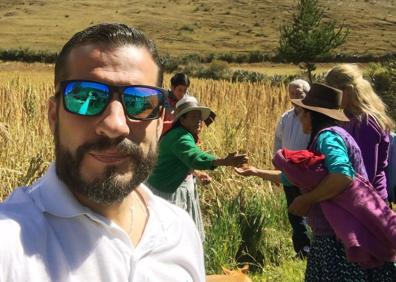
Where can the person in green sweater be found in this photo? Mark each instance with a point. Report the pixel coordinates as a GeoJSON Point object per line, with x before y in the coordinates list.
{"type": "Point", "coordinates": [179, 155]}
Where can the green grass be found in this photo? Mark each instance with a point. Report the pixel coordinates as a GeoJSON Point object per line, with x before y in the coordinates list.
{"type": "Point", "coordinates": [252, 228]}
{"type": "Point", "coordinates": [271, 69]}
{"type": "Point", "coordinates": [288, 271]}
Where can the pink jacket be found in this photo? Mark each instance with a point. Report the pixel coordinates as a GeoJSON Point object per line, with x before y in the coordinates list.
{"type": "Point", "coordinates": [359, 217]}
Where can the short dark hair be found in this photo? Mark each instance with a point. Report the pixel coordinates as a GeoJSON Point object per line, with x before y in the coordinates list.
{"type": "Point", "coordinates": [180, 79]}
{"type": "Point", "coordinates": [114, 34]}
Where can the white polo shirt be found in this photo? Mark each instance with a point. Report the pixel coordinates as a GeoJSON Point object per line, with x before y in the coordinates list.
{"type": "Point", "coordinates": [47, 235]}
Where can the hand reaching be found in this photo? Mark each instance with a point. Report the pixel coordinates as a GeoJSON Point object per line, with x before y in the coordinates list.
{"type": "Point", "coordinates": [246, 170]}
{"type": "Point", "coordinates": [272, 175]}
{"type": "Point", "coordinates": [236, 160]}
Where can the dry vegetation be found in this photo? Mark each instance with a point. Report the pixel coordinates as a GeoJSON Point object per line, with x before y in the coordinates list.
{"type": "Point", "coordinates": [196, 26]}
{"type": "Point", "coordinates": [247, 114]}
{"type": "Point", "coordinates": [246, 117]}
{"type": "Point", "coordinates": [24, 133]}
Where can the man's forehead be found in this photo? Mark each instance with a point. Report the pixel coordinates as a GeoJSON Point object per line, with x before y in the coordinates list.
{"type": "Point", "coordinates": [89, 60]}
{"type": "Point", "coordinates": [100, 53]}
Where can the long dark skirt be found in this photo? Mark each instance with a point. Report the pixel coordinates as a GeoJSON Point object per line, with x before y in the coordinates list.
{"type": "Point", "coordinates": [327, 262]}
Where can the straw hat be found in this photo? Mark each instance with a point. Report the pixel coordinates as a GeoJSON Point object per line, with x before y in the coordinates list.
{"type": "Point", "coordinates": [189, 103]}
{"type": "Point", "coordinates": [323, 99]}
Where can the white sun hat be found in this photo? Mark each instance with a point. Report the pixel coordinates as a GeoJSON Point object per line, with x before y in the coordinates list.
{"type": "Point", "coordinates": [189, 103]}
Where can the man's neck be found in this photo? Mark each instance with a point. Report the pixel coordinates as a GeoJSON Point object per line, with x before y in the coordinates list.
{"type": "Point", "coordinates": [109, 211]}
{"type": "Point", "coordinates": [131, 214]}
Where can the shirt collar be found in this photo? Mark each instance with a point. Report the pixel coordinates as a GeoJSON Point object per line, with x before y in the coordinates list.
{"type": "Point", "coordinates": [51, 195]}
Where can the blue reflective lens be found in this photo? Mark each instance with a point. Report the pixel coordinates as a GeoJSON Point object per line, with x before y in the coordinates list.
{"type": "Point", "coordinates": [86, 98]}
{"type": "Point", "coordinates": [141, 102]}
{"type": "Point", "coordinates": [89, 98]}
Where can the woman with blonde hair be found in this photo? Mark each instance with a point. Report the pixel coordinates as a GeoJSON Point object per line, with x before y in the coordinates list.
{"type": "Point", "coordinates": [331, 174]}
{"type": "Point", "coordinates": [369, 124]}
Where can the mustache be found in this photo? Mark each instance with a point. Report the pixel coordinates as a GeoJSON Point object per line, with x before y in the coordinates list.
{"type": "Point", "coordinates": [122, 145]}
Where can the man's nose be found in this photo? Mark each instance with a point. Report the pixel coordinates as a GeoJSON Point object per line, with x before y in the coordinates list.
{"type": "Point", "coordinates": [113, 122]}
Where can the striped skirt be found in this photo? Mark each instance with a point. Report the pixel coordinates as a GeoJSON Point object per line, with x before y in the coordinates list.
{"type": "Point", "coordinates": [186, 197]}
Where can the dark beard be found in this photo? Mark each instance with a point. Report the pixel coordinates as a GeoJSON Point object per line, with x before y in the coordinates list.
{"type": "Point", "coordinates": [106, 189]}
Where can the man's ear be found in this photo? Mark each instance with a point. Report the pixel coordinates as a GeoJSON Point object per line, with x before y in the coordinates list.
{"type": "Point", "coordinates": [52, 113]}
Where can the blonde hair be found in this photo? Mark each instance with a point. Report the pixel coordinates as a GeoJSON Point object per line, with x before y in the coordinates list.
{"type": "Point", "coordinates": [363, 99]}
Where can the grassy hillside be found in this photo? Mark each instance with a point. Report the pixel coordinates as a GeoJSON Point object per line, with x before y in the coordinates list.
{"type": "Point", "coordinates": [195, 26]}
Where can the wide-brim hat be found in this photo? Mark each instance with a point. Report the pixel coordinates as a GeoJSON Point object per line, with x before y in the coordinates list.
{"type": "Point", "coordinates": [188, 104]}
{"type": "Point", "coordinates": [323, 99]}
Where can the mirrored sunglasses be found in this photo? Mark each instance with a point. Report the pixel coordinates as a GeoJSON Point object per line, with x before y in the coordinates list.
{"type": "Point", "coordinates": [90, 98]}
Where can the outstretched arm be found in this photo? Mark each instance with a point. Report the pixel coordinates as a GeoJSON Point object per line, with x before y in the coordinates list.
{"type": "Point", "coordinates": [233, 159]}
{"type": "Point", "coordinates": [269, 175]}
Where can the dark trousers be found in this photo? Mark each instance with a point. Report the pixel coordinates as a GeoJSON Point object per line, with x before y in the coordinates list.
{"type": "Point", "coordinates": [300, 233]}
